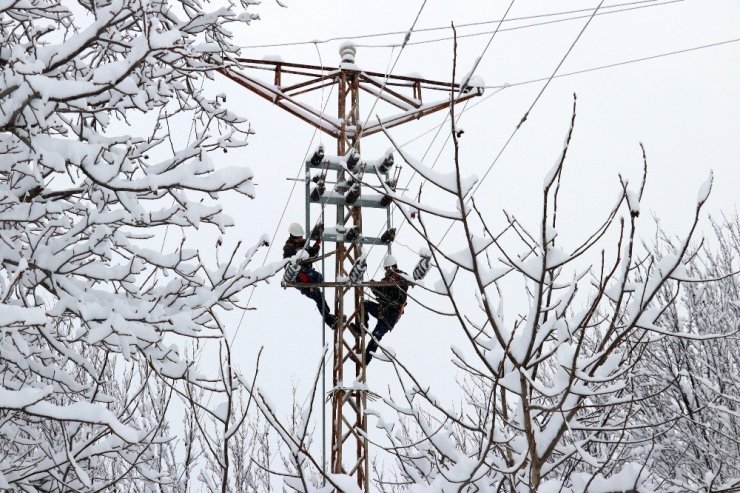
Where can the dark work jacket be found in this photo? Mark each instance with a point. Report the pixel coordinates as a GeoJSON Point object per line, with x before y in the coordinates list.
{"type": "Point", "coordinates": [392, 297]}
{"type": "Point", "coordinates": [296, 243]}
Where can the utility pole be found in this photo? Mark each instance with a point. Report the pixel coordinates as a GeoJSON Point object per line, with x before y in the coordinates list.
{"type": "Point", "coordinates": [349, 444]}
{"type": "Point", "coordinates": [348, 407]}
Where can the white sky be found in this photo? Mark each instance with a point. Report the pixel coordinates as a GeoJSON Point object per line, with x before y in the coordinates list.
{"type": "Point", "coordinates": [684, 108]}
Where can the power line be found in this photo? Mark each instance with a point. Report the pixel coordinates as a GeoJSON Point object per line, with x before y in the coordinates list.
{"type": "Point", "coordinates": [499, 88]}
{"type": "Point", "coordinates": [440, 28]}
{"type": "Point", "coordinates": [526, 114]}
{"type": "Point", "coordinates": [406, 38]}
{"type": "Point", "coordinates": [462, 89]}
{"type": "Point", "coordinates": [616, 64]}
{"type": "Point", "coordinates": [508, 85]}
{"type": "Point", "coordinates": [483, 53]}
{"type": "Point", "coordinates": [516, 28]}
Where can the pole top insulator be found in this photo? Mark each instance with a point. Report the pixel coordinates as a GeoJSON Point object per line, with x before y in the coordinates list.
{"type": "Point", "coordinates": [347, 51]}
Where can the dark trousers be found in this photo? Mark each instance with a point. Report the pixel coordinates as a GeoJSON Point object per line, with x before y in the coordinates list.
{"type": "Point", "coordinates": [387, 317]}
{"type": "Point", "coordinates": [318, 296]}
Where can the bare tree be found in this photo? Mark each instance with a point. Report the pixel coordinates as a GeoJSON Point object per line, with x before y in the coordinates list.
{"type": "Point", "coordinates": [300, 467]}
{"type": "Point", "coordinates": [236, 441]}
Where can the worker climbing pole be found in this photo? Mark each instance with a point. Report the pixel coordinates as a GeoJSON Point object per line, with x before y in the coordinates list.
{"type": "Point", "coordinates": [349, 444]}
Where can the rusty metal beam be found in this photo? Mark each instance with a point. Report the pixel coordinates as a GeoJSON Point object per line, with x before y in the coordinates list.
{"type": "Point", "coordinates": [332, 76]}
{"type": "Point", "coordinates": [284, 64]}
{"type": "Point", "coordinates": [295, 108]}
{"type": "Point", "coordinates": [381, 94]}
{"type": "Point", "coordinates": [413, 102]}
{"type": "Point", "coordinates": [311, 89]}
{"type": "Point", "coordinates": [415, 115]}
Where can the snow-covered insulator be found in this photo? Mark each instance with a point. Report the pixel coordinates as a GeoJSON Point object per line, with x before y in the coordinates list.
{"type": "Point", "coordinates": [353, 159]}
{"type": "Point", "coordinates": [358, 271]}
{"type": "Point", "coordinates": [386, 200]}
{"type": "Point", "coordinates": [317, 231]}
{"type": "Point", "coordinates": [343, 185]}
{"type": "Point", "coordinates": [388, 236]}
{"type": "Point", "coordinates": [352, 234]}
{"type": "Point", "coordinates": [291, 272]}
{"type": "Point", "coordinates": [353, 194]}
{"type": "Point", "coordinates": [318, 190]}
{"type": "Point", "coordinates": [387, 164]}
{"type": "Point", "coordinates": [318, 156]}
{"type": "Point", "coordinates": [347, 51]}
{"type": "Point", "coordinates": [424, 265]}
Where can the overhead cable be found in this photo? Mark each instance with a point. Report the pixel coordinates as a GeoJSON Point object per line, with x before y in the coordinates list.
{"type": "Point", "coordinates": [526, 114]}
{"type": "Point", "coordinates": [463, 85]}
{"type": "Point", "coordinates": [468, 24]}
{"type": "Point", "coordinates": [438, 127]}
{"type": "Point", "coordinates": [612, 65]}
{"type": "Point", "coordinates": [516, 28]}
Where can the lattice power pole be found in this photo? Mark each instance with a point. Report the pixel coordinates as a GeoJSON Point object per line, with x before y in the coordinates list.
{"type": "Point", "coordinates": [349, 445]}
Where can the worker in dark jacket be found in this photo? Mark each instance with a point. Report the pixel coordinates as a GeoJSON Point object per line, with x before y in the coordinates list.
{"type": "Point", "coordinates": [308, 274]}
{"type": "Point", "coordinates": [390, 305]}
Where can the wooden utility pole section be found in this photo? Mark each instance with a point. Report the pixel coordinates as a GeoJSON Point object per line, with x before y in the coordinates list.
{"type": "Point", "coordinates": [349, 444]}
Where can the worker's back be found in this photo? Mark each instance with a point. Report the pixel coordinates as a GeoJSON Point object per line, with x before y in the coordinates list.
{"type": "Point", "coordinates": [393, 296]}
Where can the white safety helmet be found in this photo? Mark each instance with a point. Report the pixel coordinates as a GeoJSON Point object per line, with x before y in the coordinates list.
{"type": "Point", "coordinates": [296, 229]}
{"type": "Point", "coordinates": [389, 261]}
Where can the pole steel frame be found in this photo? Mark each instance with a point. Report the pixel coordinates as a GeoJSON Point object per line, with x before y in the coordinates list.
{"type": "Point", "coordinates": [349, 420]}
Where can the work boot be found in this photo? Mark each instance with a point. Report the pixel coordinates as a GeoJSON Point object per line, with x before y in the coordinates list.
{"type": "Point", "coordinates": [331, 320]}
{"type": "Point", "coordinates": [354, 329]}
{"type": "Point", "coordinates": [334, 319]}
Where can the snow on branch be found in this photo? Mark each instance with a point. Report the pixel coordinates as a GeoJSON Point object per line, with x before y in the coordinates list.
{"type": "Point", "coordinates": [107, 145]}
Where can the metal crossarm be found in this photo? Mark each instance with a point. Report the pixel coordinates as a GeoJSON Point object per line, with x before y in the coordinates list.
{"type": "Point", "coordinates": [383, 86]}
{"type": "Point", "coordinates": [335, 198]}
{"type": "Point", "coordinates": [365, 240]}
{"type": "Point", "coordinates": [335, 284]}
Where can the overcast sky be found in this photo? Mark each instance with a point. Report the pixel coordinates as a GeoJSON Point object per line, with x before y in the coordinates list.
{"type": "Point", "coordinates": [684, 108]}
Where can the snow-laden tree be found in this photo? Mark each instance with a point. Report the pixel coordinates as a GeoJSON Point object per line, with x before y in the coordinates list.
{"type": "Point", "coordinates": [94, 311]}
{"type": "Point", "coordinates": [696, 378]}
{"type": "Point", "coordinates": [558, 395]}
